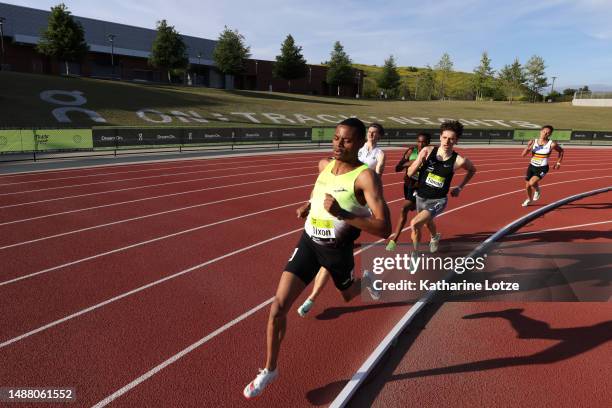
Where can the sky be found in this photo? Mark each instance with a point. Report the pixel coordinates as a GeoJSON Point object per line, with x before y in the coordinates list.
{"type": "Point", "coordinates": [574, 37]}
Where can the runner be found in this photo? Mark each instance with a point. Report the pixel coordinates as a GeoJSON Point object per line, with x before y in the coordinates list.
{"type": "Point", "coordinates": [370, 154]}
{"type": "Point", "coordinates": [347, 197]}
{"type": "Point", "coordinates": [540, 149]}
{"type": "Point", "coordinates": [438, 165]}
{"type": "Point", "coordinates": [410, 186]}
{"type": "Point", "coordinates": [374, 158]}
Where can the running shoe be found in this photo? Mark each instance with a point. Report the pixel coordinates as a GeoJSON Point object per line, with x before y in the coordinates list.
{"type": "Point", "coordinates": [526, 202]}
{"type": "Point", "coordinates": [256, 387]}
{"type": "Point", "coordinates": [434, 243]}
{"type": "Point", "coordinates": [305, 308]}
{"type": "Point", "coordinates": [367, 278]}
{"type": "Point", "coordinates": [391, 246]}
{"type": "Point", "coordinates": [536, 195]}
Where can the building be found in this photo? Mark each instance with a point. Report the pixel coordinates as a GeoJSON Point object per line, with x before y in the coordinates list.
{"type": "Point", "coordinates": [121, 51]}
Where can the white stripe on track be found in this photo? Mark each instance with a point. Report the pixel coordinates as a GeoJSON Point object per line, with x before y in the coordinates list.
{"type": "Point", "coordinates": [100, 175]}
{"type": "Point", "coordinates": [135, 245]}
{"type": "Point", "coordinates": [141, 288]}
{"type": "Point", "coordinates": [227, 255]}
{"type": "Point", "coordinates": [149, 198]}
{"type": "Point", "coordinates": [206, 189]}
{"type": "Point", "coordinates": [155, 176]}
{"type": "Point", "coordinates": [520, 234]}
{"type": "Point", "coordinates": [200, 342]}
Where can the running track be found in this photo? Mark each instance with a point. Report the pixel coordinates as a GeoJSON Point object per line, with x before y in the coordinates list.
{"type": "Point", "coordinates": [149, 285]}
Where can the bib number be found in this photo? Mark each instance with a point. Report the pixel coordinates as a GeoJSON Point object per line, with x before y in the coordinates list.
{"type": "Point", "coordinates": [537, 161]}
{"type": "Point", "coordinates": [434, 180]}
{"type": "Point", "coordinates": [322, 228]}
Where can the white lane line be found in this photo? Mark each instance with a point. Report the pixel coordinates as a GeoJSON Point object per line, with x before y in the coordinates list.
{"type": "Point", "coordinates": [155, 176]}
{"type": "Point", "coordinates": [560, 229]}
{"type": "Point", "coordinates": [141, 288]}
{"type": "Point", "coordinates": [222, 169]}
{"type": "Point", "coordinates": [150, 198]}
{"type": "Point", "coordinates": [415, 309]}
{"type": "Point", "coordinates": [135, 245]}
{"type": "Point", "coordinates": [178, 356]}
{"type": "Point", "coordinates": [213, 188]}
{"type": "Point", "coordinates": [229, 254]}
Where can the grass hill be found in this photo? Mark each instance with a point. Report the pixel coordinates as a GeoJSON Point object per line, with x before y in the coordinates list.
{"type": "Point", "coordinates": [131, 104]}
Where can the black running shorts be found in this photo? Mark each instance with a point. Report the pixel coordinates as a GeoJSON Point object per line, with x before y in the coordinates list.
{"type": "Point", "coordinates": [536, 171]}
{"type": "Point", "coordinates": [308, 257]}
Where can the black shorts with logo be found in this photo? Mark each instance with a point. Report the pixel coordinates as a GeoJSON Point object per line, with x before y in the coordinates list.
{"type": "Point", "coordinates": [308, 257]}
{"type": "Point", "coordinates": [536, 171]}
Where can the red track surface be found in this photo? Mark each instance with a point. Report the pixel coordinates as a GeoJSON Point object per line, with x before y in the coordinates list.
{"type": "Point", "coordinates": [110, 345]}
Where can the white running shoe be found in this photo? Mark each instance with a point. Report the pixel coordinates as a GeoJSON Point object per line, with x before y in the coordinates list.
{"type": "Point", "coordinates": [434, 243]}
{"type": "Point", "coordinates": [256, 387]}
{"type": "Point", "coordinates": [367, 278]}
{"type": "Point", "coordinates": [536, 195]}
{"type": "Point", "coordinates": [305, 308]}
{"type": "Point", "coordinates": [526, 202]}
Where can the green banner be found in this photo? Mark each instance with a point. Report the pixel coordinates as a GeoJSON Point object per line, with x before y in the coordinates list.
{"type": "Point", "coordinates": [63, 139]}
{"type": "Point", "coordinates": [523, 134]}
{"type": "Point", "coordinates": [16, 140]}
{"type": "Point", "coordinates": [323, 134]}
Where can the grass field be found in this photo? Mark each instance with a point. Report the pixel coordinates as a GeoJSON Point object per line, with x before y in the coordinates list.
{"type": "Point", "coordinates": [119, 102]}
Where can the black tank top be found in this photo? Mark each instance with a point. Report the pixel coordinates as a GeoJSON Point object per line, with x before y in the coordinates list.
{"type": "Point", "coordinates": [435, 176]}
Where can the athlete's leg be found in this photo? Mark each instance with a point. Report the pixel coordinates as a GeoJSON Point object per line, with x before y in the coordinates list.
{"type": "Point", "coordinates": [529, 189]}
{"type": "Point", "coordinates": [289, 288]}
{"type": "Point", "coordinates": [406, 208]}
{"type": "Point", "coordinates": [417, 223]}
{"type": "Point", "coordinates": [319, 283]}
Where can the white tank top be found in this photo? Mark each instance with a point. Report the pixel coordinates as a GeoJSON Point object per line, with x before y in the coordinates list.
{"type": "Point", "coordinates": [540, 154]}
{"type": "Point", "coordinates": [369, 157]}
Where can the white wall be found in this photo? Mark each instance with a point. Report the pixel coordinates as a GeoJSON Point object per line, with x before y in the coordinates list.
{"type": "Point", "coordinates": [592, 102]}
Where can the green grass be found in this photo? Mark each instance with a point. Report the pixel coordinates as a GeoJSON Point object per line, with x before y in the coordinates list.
{"type": "Point", "coordinates": [118, 103]}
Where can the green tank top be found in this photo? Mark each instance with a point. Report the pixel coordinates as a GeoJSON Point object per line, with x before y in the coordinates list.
{"type": "Point", "coordinates": [321, 225]}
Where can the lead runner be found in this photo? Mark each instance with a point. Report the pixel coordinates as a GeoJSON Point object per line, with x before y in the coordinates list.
{"type": "Point", "coordinates": [347, 197]}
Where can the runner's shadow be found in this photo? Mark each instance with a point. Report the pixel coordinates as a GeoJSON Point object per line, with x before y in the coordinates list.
{"type": "Point", "coordinates": [572, 342]}
{"type": "Point", "coordinates": [335, 312]}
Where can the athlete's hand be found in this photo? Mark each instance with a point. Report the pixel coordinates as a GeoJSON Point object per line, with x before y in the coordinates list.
{"type": "Point", "coordinates": [556, 166]}
{"type": "Point", "coordinates": [455, 191]}
{"type": "Point", "coordinates": [331, 205]}
{"type": "Point", "coordinates": [302, 212]}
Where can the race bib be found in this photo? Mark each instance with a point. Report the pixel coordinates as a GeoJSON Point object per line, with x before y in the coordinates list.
{"type": "Point", "coordinates": [322, 228]}
{"type": "Point", "coordinates": [434, 180]}
{"type": "Point", "coordinates": [537, 161]}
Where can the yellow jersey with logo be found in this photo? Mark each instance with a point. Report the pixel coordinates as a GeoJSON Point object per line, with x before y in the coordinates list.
{"type": "Point", "coordinates": [320, 225]}
{"type": "Point", "coordinates": [540, 153]}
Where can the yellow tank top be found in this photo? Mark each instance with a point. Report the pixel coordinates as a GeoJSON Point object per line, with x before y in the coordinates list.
{"type": "Point", "coordinates": [321, 225]}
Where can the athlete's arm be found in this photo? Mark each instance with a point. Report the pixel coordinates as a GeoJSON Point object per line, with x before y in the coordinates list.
{"type": "Point", "coordinates": [403, 163]}
{"type": "Point", "coordinates": [463, 163]}
{"type": "Point", "coordinates": [560, 151]}
{"type": "Point", "coordinates": [416, 164]}
{"type": "Point", "coordinates": [379, 223]}
{"type": "Point", "coordinates": [380, 163]}
{"type": "Point", "coordinates": [527, 148]}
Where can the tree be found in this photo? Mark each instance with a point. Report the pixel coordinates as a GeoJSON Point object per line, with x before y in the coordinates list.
{"type": "Point", "coordinates": [535, 76]}
{"type": "Point", "coordinates": [512, 79]}
{"type": "Point", "coordinates": [444, 67]}
{"type": "Point", "coordinates": [425, 83]}
{"type": "Point", "coordinates": [339, 68]}
{"type": "Point", "coordinates": [63, 38]}
{"type": "Point", "coordinates": [168, 50]}
{"type": "Point", "coordinates": [569, 91]}
{"type": "Point", "coordinates": [290, 64]}
{"type": "Point", "coordinates": [389, 79]}
{"type": "Point", "coordinates": [482, 81]}
{"type": "Point", "coordinates": [231, 52]}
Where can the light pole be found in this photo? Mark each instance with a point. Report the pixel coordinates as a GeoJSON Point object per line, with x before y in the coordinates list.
{"type": "Point", "coordinates": [199, 56]}
{"type": "Point", "coordinates": [552, 86]}
{"type": "Point", "coordinates": [111, 38]}
{"type": "Point", "coordinates": [2, 19]}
